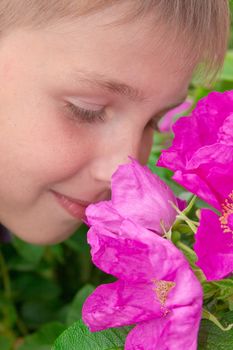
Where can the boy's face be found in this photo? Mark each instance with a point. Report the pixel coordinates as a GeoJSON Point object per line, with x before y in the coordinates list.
{"type": "Point", "coordinates": [51, 152]}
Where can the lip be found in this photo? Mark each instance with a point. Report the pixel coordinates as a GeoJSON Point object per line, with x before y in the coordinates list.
{"type": "Point", "coordinates": [73, 206]}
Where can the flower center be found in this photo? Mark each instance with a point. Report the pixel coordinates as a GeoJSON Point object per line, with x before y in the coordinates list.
{"type": "Point", "coordinates": [226, 220]}
{"type": "Point", "coordinates": [162, 288]}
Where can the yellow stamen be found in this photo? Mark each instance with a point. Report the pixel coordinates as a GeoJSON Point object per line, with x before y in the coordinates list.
{"type": "Point", "coordinates": [227, 210]}
{"type": "Point", "coordinates": [162, 288]}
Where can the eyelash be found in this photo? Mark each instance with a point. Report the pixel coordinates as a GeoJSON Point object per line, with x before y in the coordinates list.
{"type": "Point", "coordinates": [91, 116]}
{"type": "Point", "coordinates": [86, 115]}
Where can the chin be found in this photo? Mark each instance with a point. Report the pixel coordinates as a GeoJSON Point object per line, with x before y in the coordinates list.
{"type": "Point", "coordinates": [45, 236]}
{"type": "Point", "coordinates": [50, 239]}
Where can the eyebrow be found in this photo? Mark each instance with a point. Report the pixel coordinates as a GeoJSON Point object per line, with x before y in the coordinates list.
{"type": "Point", "coordinates": [119, 88]}
{"type": "Point", "coordinates": [112, 86]}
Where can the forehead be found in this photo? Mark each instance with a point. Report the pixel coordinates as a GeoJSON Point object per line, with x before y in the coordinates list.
{"type": "Point", "coordinates": [139, 49]}
{"type": "Point", "coordinates": [150, 32]}
{"type": "Point", "coordinates": [99, 50]}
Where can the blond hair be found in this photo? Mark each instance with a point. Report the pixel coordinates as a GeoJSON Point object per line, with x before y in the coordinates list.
{"type": "Point", "coordinates": [202, 24]}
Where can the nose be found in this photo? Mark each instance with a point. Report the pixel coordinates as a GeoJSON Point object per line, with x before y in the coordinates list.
{"type": "Point", "coordinates": [114, 152]}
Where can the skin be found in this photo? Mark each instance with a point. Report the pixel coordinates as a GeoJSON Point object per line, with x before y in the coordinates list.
{"type": "Point", "coordinates": [44, 146]}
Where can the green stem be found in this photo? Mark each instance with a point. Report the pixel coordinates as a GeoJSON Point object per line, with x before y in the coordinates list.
{"type": "Point", "coordinates": [21, 326]}
{"type": "Point", "coordinates": [185, 248]}
{"type": "Point", "coordinates": [5, 277]}
{"type": "Point", "coordinates": [8, 292]}
{"type": "Point", "coordinates": [190, 205]}
{"type": "Point", "coordinates": [208, 316]}
{"type": "Point", "coordinates": [192, 257]}
{"type": "Point", "coordinates": [192, 224]}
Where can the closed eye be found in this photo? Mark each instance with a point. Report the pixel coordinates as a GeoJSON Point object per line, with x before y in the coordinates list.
{"type": "Point", "coordinates": [85, 115]}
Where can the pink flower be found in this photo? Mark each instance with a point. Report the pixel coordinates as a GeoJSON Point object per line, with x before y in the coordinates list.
{"type": "Point", "coordinates": [202, 152]}
{"type": "Point", "coordinates": [166, 122]}
{"type": "Point", "coordinates": [214, 248]}
{"type": "Point", "coordinates": [202, 158]}
{"type": "Point", "coordinates": [155, 289]}
{"type": "Point", "coordinates": [136, 194]}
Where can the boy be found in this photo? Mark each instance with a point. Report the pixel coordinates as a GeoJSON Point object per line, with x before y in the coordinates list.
{"type": "Point", "coordinates": [82, 85]}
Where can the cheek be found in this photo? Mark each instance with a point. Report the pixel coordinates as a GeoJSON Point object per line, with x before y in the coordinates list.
{"type": "Point", "coordinates": [62, 151]}
{"type": "Point", "coordinates": [55, 156]}
{"type": "Point", "coordinates": [38, 144]}
{"type": "Point", "coordinates": [44, 151]}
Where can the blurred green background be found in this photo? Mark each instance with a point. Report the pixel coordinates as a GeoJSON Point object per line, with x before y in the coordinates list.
{"type": "Point", "coordinates": [42, 288]}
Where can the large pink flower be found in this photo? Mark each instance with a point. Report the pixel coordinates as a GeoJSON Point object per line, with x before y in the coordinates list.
{"type": "Point", "coordinates": [202, 152]}
{"type": "Point", "coordinates": [156, 289]}
{"type": "Point", "coordinates": [202, 158]}
{"type": "Point", "coordinates": [136, 194]}
{"type": "Point", "coordinates": [214, 248]}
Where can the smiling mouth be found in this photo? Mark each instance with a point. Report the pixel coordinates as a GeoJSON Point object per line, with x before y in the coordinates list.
{"type": "Point", "coordinates": [73, 206]}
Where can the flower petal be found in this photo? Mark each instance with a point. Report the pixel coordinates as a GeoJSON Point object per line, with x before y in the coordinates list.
{"type": "Point", "coordinates": [120, 256]}
{"type": "Point", "coordinates": [197, 185]}
{"type": "Point", "coordinates": [205, 155]}
{"type": "Point", "coordinates": [134, 254]}
{"type": "Point", "coordinates": [155, 282]}
{"type": "Point", "coordinates": [225, 135]}
{"type": "Point", "coordinates": [103, 213]}
{"type": "Point", "coordinates": [188, 290]}
{"type": "Point", "coordinates": [178, 330]}
{"type": "Point", "coordinates": [120, 304]}
{"type": "Point", "coordinates": [146, 336]}
{"type": "Point", "coordinates": [143, 197]}
{"type": "Point", "coordinates": [213, 247]}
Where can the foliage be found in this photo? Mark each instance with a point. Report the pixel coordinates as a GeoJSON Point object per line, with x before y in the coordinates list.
{"type": "Point", "coordinates": [78, 337]}
{"type": "Point", "coordinates": [42, 290]}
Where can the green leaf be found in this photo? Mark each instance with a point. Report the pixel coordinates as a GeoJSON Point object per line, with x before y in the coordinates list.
{"type": "Point", "coordinates": [78, 241]}
{"type": "Point", "coordinates": [222, 289]}
{"type": "Point", "coordinates": [78, 337]}
{"type": "Point", "coordinates": [44, 338]}
{"type": "Point", "coordinates": [55, 253]}
{"type": "Point", "coordinates": [212, 338]}
{"type": "Point", "coordinates": [29, 252]}
{"type": "Point", "coordinates": [209, 289]}
{"type": "Point", "coordinates": [225, 288]}
{"type": "Point", "coordinates": [8, 315]}
{"type": "Point", "coordinates": [75, 309]}
{"type": "Point", "coordinates": [227, 72]}
{"type": "Point", "coordinates": [32, 286]}
{"type": "Point", "coordinates": [37, 313]}
{"type": "Point", "coordinates": [5, 343]}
